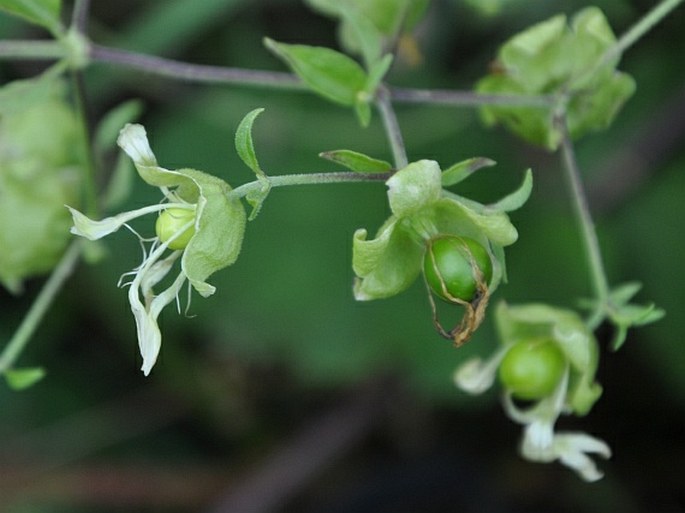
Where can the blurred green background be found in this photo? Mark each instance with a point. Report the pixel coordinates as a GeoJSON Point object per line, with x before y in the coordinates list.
{"type": "Point", "coordinates": [281, 366]}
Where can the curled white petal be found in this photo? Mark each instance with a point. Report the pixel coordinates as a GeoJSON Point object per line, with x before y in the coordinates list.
{"type": "Point", "coordinates": [573, 450]}
{"type": "Point", "coordinates": [94, 230]}
{"type": "Point", "coordinates": [538, 442]}
{"type": "Point", "coordinates": [475, 376]}
{"type": "Point", "coordinates": [133, 140]}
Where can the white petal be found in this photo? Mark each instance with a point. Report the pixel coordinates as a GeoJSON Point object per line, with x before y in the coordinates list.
{"type": "Point", "coordinates": [475, 376]}
{"type": "Point", "coordinates": [572, 449]}
{"type": "Point", "coordinates": [133, 140]}
{"type": "Point", "coordinates": [94, 230]}
{"type": "Point", "coordinates": [538, 442]}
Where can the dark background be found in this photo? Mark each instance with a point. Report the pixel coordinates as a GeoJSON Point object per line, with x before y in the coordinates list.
{"type": "Point", "coordinates": [284, 394]}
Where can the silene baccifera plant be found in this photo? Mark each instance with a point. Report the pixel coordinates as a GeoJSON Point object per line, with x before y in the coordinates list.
{"type": "Point", "coordinates": [551, 84]}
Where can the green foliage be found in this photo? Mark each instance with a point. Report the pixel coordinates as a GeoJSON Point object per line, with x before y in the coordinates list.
{"type": "Point", "coordinates": [21, 379]}
{"type": "Point", "coordinates": [41, 12]}
{"type": "Point", "coordinates": [357, 162]}
{"type": "Point", "coordinates": [41, 169]}
{"type": "Point", "coordinates": [567, 62]}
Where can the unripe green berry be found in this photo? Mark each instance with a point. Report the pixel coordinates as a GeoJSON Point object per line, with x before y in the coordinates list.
{"type": "Point", "coordinates": [170, 221]}
{"type": "Point", "coordinates": [454, 265]}
{"type": "Point", "coordinates": [531, 370]}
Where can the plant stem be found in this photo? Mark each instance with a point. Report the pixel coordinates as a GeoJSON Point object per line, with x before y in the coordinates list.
{"type": "Point", "coordinates": [593, 253]}
{"type": "Point", "coordinates": [79, 15]}
{"type": "Point", "coordinates": [194, 72]}
{"type": "Point", "coordinates": [40, 306]}
{"type": "Point", "coordinates": [309, 179]}
{"type": "Point", "coordinates": [89, 168]}
{"type": "Point", "coordinates": [31, 50]}
{"type": "Point", "coordinates": [392, 127]}
{"type": "Point", "coordinates": [644, 25]}
{"type": "Point", "coordinates": [466, 98]}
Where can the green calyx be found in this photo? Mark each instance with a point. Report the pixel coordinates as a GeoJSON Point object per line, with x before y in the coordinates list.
{"type": "Point", "coordinates": [456, 267]}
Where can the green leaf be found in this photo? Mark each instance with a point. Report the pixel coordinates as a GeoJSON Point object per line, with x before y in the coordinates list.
{"type": "Point", "coordinates": [110, 125]}
{"type": "Point", "coordinates": [377, 72]}
{"type": "Point", "coordinates": [462, 170]}
{"type": "Point", "coordinates": [623, 293]}
{"type": "Point", "coordinates": [21, 379]}
{"type": "Point", "coordinates": [516, 199]}
{"type": "Point", "coordinates": [41, 12]}
{"type": "Point", "coordinates": [256, 198]}
{"type": "Point", "coordinates": [331, 74]}
{"type": "Point", "coordinates": [357, 162]}
{"type": "Point", "coordinates": [244, 145]}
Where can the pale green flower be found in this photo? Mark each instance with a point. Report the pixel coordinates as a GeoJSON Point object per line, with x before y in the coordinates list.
{"type": "Point", "coordinates": [218, 224]}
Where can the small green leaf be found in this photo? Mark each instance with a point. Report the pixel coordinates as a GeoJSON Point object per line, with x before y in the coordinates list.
{"type": "Point", "coordinates": [357, 162]}
{"type": "Point", "coordinates": [516, 199]}
{"type": "Point", "coordinates": [462, 170]}
{"type": "Point", "coordinates": [376, 74]}
{"type": "Point", "coordinates": [110, 125]}
{"type": "Point", "coordinates": [623, 293]}
{"type": "Point", "coordinates": [256, 198]}
{"type": "Point", "coordinates": [41, 12]}
{"type": "Point", "coordinates": [20, 379]}
{"type": "Point", "coordinates": [362, 109]}
{"type": "Point", "coordinates": [327, 72]}
{"type": "Point", "coordinates": [244, 145]}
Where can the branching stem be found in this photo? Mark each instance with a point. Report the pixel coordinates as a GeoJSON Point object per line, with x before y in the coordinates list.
{"type": "Point", "coordinates": [581, 209]}
{"type": "Point", "coordinates": [40, 306]}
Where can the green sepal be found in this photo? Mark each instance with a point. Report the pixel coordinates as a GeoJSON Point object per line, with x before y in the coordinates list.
{"type": "Point", "coordinates": [387, 264]}
{"type": "Point", "coordinates": [462, 170]}
{"type": "Point", "coordinates": [45, 13]}
{"type": "Point", "coordinates": [331, 74]}
{"type": "Point", "coordinates": [550, 58]}
{"type": "Point", "coordinates": [518, 198]}
{"type": "Point", "coordinates": [567, 329]}
{"type": "Point", "coordinates": [414, 187]}
{"type": "Point", "coordinates": [357, 162]}
{"type": "Point", "coordinates": [23, 378]}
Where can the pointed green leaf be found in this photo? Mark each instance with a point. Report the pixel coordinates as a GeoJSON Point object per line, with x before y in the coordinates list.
{"type": "Point", "coordinates": [623, 293]}
{"type": "Point", "coordinates": [516, 199]}
{"type": "Point", "coordinates": [41, 12]}
{"type": "Point", "coordinates": [110, 125]}
{"type": "Point", "coordinates": [329, 73]}
{"type": "Point", "coordinates": [362, 109]}
{"type": "Point", "coordinates": [357, 162]}
{"type": "Point", "coordinates": [462, 170]}
{"type": "Point", "coordinates": [20, 379]}
{"type": "Point", "coordinates": [243, 142]}
{"type": "Point", "coordinates": [377, 72]}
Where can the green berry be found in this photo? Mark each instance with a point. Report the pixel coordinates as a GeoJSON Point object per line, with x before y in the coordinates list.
{"type": "Point", "coordinates": [170, 222]}
{"type": "Point", "coordinates": [531, 370]}
{"type": "Point", "coordinates": [453, 264]}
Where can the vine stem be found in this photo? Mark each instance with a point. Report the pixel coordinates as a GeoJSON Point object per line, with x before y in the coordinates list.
{"type": "Point", "coordinates": [309, 179]}
{"type": "Point", "coordinates": [583, 216]}
{"type": "Point", "coordinates": [52, 286]}
{"type": "Point", "coordinates": [644, 25]}
{"type": "Point", "coordinates": [392, 128]}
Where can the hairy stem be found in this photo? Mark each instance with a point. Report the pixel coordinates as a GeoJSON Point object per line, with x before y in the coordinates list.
{"type": "Point", "coordinates": [644, 25]}
{"type": "Point", "coordinates": [79, 15]}
{"type": "Point", "coordinates": [392, 128]}
{"type": "Point", "coordinates": [194, 72]}
{"type": "Point", "coordinates": [467, 98]}
{"type": "Point", "coordinates": [581, 209]}
{"type": "Point", "coordinates": [40, 306]}
{"type": "Point", "coordinates": [31, 50]}
{"type": "Point", "coordinates": [309, 179]}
